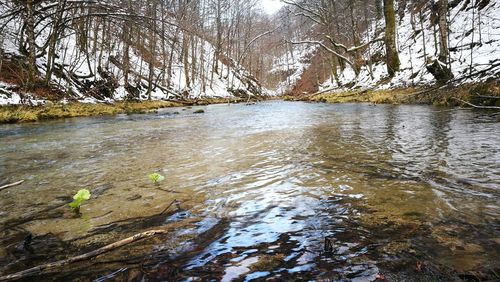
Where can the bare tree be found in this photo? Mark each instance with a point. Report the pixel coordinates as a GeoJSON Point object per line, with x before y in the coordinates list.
{"type": "Point", "coordinates": [392, 57]}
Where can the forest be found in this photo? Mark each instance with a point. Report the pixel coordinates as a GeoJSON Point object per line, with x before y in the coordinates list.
{"type": "Point", "coordinates": [177, 50]}
{"type": "Point", "coordinates": [249, 140]}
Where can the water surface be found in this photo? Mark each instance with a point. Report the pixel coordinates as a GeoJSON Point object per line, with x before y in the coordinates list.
{"type": "Point", "coordinates": [268, 184]}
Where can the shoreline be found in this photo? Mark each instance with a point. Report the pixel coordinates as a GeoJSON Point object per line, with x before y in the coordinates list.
{"type": "Point", "coordinates": [478, 95]}
{"type": "Point", "coordinates": [11, 114]}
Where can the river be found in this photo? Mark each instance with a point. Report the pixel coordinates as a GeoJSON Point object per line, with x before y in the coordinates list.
{"type": "Point", "coordinates": [282, 190]}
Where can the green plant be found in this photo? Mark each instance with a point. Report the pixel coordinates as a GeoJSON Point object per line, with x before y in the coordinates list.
{"type": "Point", "coordinates": [78, 198]}
{"type": "Point", "coordinates": [156, 178]}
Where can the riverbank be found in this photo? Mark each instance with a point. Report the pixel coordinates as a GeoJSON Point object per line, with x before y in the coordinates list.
{"type": "Point", "coordinates": [484, 95]}
{"type": "Point", "coordinates": [473, 95]}
{"type": "Point", "coordinates": [48, 111]}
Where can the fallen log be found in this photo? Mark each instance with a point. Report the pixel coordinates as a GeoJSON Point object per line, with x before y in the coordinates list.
{"type": "Point", "coordinates": [11, 185]}
{"type": "Point", "coordinates": [47, 268]}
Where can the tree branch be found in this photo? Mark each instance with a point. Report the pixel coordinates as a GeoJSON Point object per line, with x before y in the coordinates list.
{"type": "Point", "coordinates": [11, 185]}
{"type": "Point", "coordinates": [476, 106]}
{"type": "Point", "coordinates": [243, 55]}
{"type": "Point", "coordinates": [324, 47]}
{"type": "Point", "coordinates": [37, 270]}
{"type": "Point", "coordinates": [354, 48]}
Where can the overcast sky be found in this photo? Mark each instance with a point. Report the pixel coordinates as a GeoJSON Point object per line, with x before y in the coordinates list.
{"type": "Point", "coordinates": [271, 6]}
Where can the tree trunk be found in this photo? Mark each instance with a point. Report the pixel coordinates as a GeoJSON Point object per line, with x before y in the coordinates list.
{"type": "Point", "coordinates": [440, 68]}
{"type": "Point", "coordinates": [401, 9]}
{"type": "Point", "coordinates": [443, 31]}
{"type": "Point", "coordinates": [378, 6]}
{"type": "Point", "coordinates": [171, 57]}
{"type": "Point", "coordinates": [53, 41]}
{"type": "Point", "coordinates": [392, 57]}
{"type": "Point", "coordinates": [423, 33]}
{"type": "Point", "coordinates": [335, 73]}
{"type": "Point", "coordinates": [152, 48]}
{"type": "Point", "coordinates": [185, 59]}
{"type": "Point", "coordinates": [30, 32]}
{"type": "Point", "coordinates": [126, 54]}
{"type": "Point", "coordinates": [358, 59]}
{"type": "Point", "coordinates": [1, 51]}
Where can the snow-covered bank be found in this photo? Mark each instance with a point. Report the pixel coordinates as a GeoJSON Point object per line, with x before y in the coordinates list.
{"type": "Point", "coordinates": [474, 45]}
{"type": "Point", "coordinates": [89, 65]}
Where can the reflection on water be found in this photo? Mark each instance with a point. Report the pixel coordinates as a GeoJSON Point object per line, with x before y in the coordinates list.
{"type": "Point", "coordinates": [369, 179]}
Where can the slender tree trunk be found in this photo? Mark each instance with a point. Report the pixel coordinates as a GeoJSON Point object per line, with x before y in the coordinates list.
{"type": "Point", "coordinates": [101, 49]}
{"type": "Point", "coordinates": [378, 6]}
{"type": "Point", "coordinates": [126, 54]}
{"type": "Point", "coordinates": [443, 31]}
{"type": "Point", "coordinates": [479, 26]}
{"type": "Point", "coordinates": [358, 60]}
{"type": "Point", "coordinates": [202, 68]}
{"type": "Point", "coordinates": [335, 73]}
{"type": "Point", "coordinates": [163, 41]}
{"type": "Point", "coordinates": [472, 36]}
{"type": "Point", "coordinates": [54, 36]}
{"type": "Point", "coordinates": [1, 51]}
{"type": "Point", "coordinates": [152, 48]}
{"type": "Point", "coordinates": [30, 32]}
{"type": "Point", "coordinates": [440, 68]}
{"type": "Point", "coordinates": [194, 55]}
{"type": "Point", "coordinates": [423, 34]}
{"type": "Point", "coordinates": [185, 59]}
{"type": "Point", "coordinates": [369, 60]}
{"type": "Point", "coordinates": [392, 57]}
{"type": "Point", "coordinates": [401, 9]}
{"type": "Point", "coordinates": [171, 58]}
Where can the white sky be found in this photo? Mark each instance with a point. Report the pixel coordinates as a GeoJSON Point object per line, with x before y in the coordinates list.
{"type": "Point", "coordinates": [271, 6]}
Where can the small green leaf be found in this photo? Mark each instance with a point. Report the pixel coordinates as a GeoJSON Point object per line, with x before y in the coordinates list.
{"type": "Point", "coordinates": [78, 198]}
{"type": "Point", "coordinates": [156, 178]}
{"type": "Point", "coordinates": [83, 194]}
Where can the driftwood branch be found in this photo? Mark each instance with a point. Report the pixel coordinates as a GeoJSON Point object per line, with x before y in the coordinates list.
{"type": "Point", "coordinates": [11, 185]}
{"type": "Point", "coordinates": [476, 106]}
{"type": "Point", "coordinates": [41, 269]}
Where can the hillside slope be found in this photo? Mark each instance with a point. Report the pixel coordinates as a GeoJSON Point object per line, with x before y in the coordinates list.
{"type": "Point", "coordinates": [89, 63]}
{"type": "Point", "coordinates": [474, 44]}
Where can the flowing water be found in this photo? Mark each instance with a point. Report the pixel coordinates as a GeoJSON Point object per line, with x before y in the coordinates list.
{"type": "Point", "coordinates": [273, 190]}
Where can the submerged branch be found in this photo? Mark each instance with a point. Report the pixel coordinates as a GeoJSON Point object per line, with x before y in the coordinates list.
{"type": "Point", "coordinates": [41, 269]}
{"type": "Point", "coordinates": [11, 185]}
